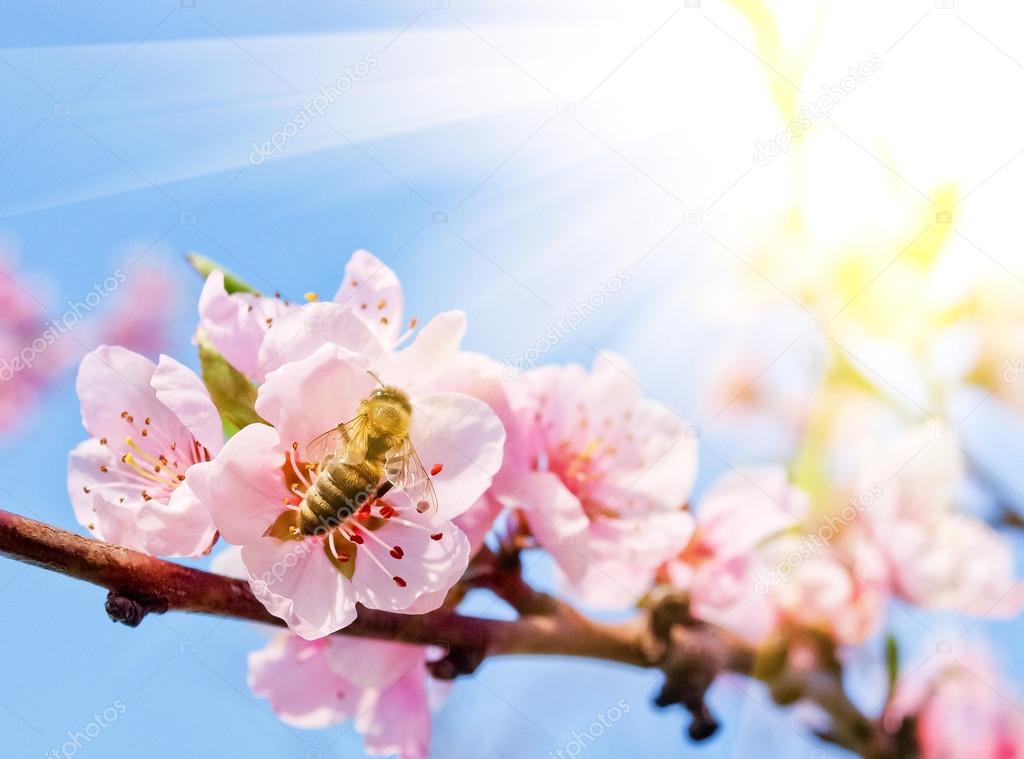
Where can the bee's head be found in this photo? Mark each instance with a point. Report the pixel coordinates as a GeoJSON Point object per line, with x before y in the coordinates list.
{"type": "Point", "coordinates": [389, 412]}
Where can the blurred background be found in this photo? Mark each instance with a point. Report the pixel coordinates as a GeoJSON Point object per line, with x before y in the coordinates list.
{"type": "Point", "coordinates": [799, 226]}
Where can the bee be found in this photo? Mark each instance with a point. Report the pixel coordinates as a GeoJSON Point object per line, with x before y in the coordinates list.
{"type": "Point", "coordinates": [357, 455]}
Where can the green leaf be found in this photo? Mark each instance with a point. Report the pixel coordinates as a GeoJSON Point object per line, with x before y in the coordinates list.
{"type": "Point", "coordinates": [232, 393]}
{"type": "Point", "coordinates": [892, 661]}
{"type": "Point", "coordinates": [205, 265]}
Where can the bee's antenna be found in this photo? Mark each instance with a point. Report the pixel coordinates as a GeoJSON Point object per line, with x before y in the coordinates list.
{"type": "Point", "coordinates": [374, 375]}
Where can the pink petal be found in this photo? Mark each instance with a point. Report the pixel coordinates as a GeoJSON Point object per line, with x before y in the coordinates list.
{"type": "Point", "coordinates": [464, 439]}
{"type": "Point", "coordinates": [303, 690]}
{"type": "Point", "coordinates": [296, 582]}
{"type": "Point", "coordinates": [430, 354]}
{"type": "Point", "coordinates": [427, 565]}
{"type": "Point", "coordinates": [243, 488]}
{"type": "Point", "coordinates": [374, 663]}
{"type": "Point", "coordinates": [396, 720]}
{"type": "Point", "coordinates": [554, 514]}
{"type": "Point", "coordinates": [179, 527]}
{"type": "Point", "coordinates": [112, 380]}
{"type": "Point", "coordinates": [373, 292]}
{"type": "Point", "coordinates": [181, 390]}
{"type": "Point", "coordinates": [236, 323]}
{"type": "Point", "coordinates": [306, 398]}
{"type": "Point", "coordinates": [84, 464]}
{"type": "Point", "coordinates": [300, 333]}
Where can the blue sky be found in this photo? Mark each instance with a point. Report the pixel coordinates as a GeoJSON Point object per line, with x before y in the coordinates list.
{"type": "Point", "coordinates": [114, 115]}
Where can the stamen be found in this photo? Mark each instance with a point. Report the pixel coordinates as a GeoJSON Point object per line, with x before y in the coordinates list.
{"type": "Point", "coordinates": [436, 470]}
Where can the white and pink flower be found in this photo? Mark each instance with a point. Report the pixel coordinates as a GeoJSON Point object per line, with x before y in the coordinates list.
{"type": "Point", "coordinates": [150, 424]}
{"type": "Point", "coordinates": [934, 556]}
{"type": "Point", "coordinates": [753, 566]}
{"type": "Point", "coordinates": [236, 323]}
{"type": "Point", "coordinates": [601, 475]}
{"type": "Point", "coordinates": [384, 686]}
{"type": "Point", "coordinates": [387, 555]}
{"type": "Point", "coordinates": [960, 708]}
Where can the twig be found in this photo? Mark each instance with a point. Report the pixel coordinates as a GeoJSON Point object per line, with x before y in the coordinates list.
{"type": "Point", "coordinates": [689, 652]}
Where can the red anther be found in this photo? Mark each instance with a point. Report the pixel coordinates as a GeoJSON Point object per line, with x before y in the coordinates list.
{"type": "Point", "coordinates": [436, 470]}
{"type": "Point", "coordinates": [399, 581]}
{"type": "Point", "coordinates": [437, 536]}
{"type": "Point", "coordinates": [397, 552]}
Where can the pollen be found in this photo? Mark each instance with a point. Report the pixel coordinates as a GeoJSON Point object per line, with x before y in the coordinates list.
{"type": "Point", "coordinates": [312, 297]}
{"type": "Point", "coordinates": [381, 304]}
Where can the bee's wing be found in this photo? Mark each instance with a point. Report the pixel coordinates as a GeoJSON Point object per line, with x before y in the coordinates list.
{"type": "Point", "coordinates": [405, 471]}
{"type": "Point", "coordinates": [348, 440]}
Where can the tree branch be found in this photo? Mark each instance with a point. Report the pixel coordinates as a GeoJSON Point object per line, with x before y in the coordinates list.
{"type": "Point", "coordinates": [689, 652]}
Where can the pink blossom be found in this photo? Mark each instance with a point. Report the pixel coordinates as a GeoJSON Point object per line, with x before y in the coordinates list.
{"type": "Point", "coordinates": [753, 566]}
{"type": "Point", "coordinates": [28, 359]}
{"type": "Point", "coordinates": [142, 310]}
{"type": "Point", "coordinates": [386, 555]}
{"type": "Point", "coordinates": [149, 425]}
{"type": "Point", "coordinates": [934, 556]}
{"type": "Point", "coordinates": [961, 709]}
{"type": "Point", "coordinates": [602, 476]}
{"type": "Point", "coordinates": [236, 323]}
{"type": "Point", "coordinates": [383, 685]}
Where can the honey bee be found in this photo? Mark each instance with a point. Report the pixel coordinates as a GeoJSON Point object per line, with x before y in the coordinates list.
{"type": "Point", "coordinates": [357, 455]}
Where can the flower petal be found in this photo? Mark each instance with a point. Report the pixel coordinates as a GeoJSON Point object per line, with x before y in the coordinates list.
{"type": "Point", "coordinates": [243, 488]}
{"type": "Point", "coordinates": [295, 581]}
{"type": "Point", "coordinates": [179, 527]}
{"type": "Point", "coordinates": [181, 390]}
{"type": "Point", "coordinates": [373, 292]}
{"type": "Point", "coordinates": [236, 323]}
{"type": "Point", "coordinates": [396, 720]}
{"type": "Point", "coordinates": [430, 353]}
{"type": "Point", "coordinates": [305, 398]}
{"type": "Point", "coordinates": [113, 380]}
{"type": "Point", "coordinates": [303, 690]}
{"type": "Point", "coordinates": [373, 663]}
{"type": "Point", "coordinates": [463, 437]}
{"type": "Point", "coordinates": [300, 333]}
{"type": "Point", "coordinates": [434, 555]}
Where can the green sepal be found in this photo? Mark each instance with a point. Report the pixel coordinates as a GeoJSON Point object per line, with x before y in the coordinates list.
{"type": "Point", "coordinates": [205, 266]}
